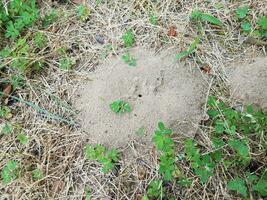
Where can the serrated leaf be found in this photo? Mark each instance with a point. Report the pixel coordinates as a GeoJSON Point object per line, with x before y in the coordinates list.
{"type": "Point", "coordinates": [246, 26]}
{"type": "Point", "coordinates": [242, 12]}
{"type": "Point", "coordinates": [239, 186]}
{"type": "Point", "coordinates": [211, 19]}
{"type": "Point", "coordinates": [23, 139]}
{"type": "Point", "coordinates": [240, 147]}
{"type": "Point", "coordinates": [161, 126]}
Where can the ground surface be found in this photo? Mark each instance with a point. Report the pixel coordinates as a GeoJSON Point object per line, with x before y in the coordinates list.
{"type": "Point", "coordinates": [44, 105]}
{"type": "Point", "coordinates": [248, 82]}
{"type": "Point", "coordinates": [157, 89]}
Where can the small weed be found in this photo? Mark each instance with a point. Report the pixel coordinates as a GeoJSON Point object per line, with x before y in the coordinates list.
{"type": "Point", "coordinates": [37, 174]}
{"type": "Point", "coordinates": [246, 26]}
{"type": "Point", "coordinates": [242, 12]}
{"type": "Point", "coordinates": [130, 60]}
{"type": "Point", "coordinates": [66, 63]}
{"type": "Point", "coordinates": [128, 39]}
{"type": "Point", "coordinates": [107, 158]}
{"type": "Point", "coordinates": [9, 20]}
{"type": "Point", "coordinates": [165, 144]}
{"type": "Point", "coordinates": [7, 128]}
{"type": "Point", "coordinates": [83, 12]}
{"type": "Point", "coordinates": [239, 186]}
{"type": "Point", "coordinates": [153, 19]}
{"type": "Point", "coordinates": [155, 190]}
{"type": "Point", "coordinates": [262, 26]}
{"type": "Point", "coordinates": [203, 165]}
{"type": "Point", "coordinates": [261, 186]}
{"type": "Point", "coordinates": [190, 50]}
{"type": "Point", "coordinates": [23, 139]}
{"type": "Point", "coordinates": [39, 40]}
{"type": "Point", "coordinates": [120, 106]}
{"type": "Point", "coordinates": [5, 112]}
{"type": "Point", "coordinates": [9, 172]}
{"type": "Point", "coordinates": [87, 194]}
{"type": "Point", "coordinates": [200, 16]}
{"type": "Point", "coordinates": [49, 18]}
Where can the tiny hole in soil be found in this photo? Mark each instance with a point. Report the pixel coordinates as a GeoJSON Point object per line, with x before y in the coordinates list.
{"type": "Point", "coordinates": [139, 95]}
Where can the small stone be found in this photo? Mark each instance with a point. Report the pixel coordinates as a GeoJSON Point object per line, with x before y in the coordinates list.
{"type": "Point", "coordinates": [99, 39]}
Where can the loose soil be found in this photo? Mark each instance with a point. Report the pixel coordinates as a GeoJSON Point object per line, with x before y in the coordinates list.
{"type": "Point", "coordinates": [158, 89]}
{"type": "Point", "coordinates": [248, 82]}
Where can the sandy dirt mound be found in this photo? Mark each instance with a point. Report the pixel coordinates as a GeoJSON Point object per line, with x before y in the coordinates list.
{"type": "Point", "coordinates": [157, 89]}
{"type": "Point", "coordinates": [248, 82]}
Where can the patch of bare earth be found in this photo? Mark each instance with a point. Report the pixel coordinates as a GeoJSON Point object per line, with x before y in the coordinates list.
{"type": "Point", "coordinates": [56, 142]}
{"type": "Point", "coordinates": [248, 82]}
{"type": "Point", "coordinates": [157, 89]}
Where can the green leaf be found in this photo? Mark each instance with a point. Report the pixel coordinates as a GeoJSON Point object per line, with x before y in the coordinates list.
{"type": "Point", "coordinates": [153, 19]}
{"type": "Point", "coordinates": [7, 128]}
{"type": "Point", "coordinates": [66, 63]}
{"type": "Point", "coordinates": [190, 50]}
{"type": "Point", "coordinates": [49, 18]}
{"type": "Point", "coordinates": [211, 19]}
{"type": "Point", "coordinates": [238, 185]}
{"type": "Point", "coordinates": [242, 12]}
{"type": "Point", "coordinates": [8, 173]}
{"type": "Point", "coordinates": [128, 39]}
{"type": "Point", "coordinates": [161, 126]}
{"type": "Point", "coordinates": [83, 12]}
{"type": "Point", "coordinates": [37, 174]}
{"type": "Point", "coordinates": [240, 147]}
{"type": "Point", "coordinates": [217, 143]}
{"type": "Point", "coordinates": [155, 189]}
{"type": "Point", "coordinates": [23, 139]}
{"type": "Point", "coordinates": [185, 182]}
{"type": "Point", "coordinates": [246, 26]}
{"type": "Point", "coordinates": [182, 55]}
{"type": "Point", "coordinates": [199, 15]}
{"type": "Point", "coordinates": [130, 60]}
{"type": "Point", "coordinates": [261, 186]}
{"type": "Point", "coordinates": [120, 106]}
{"type": "Point", "coordinates": [262, 23]}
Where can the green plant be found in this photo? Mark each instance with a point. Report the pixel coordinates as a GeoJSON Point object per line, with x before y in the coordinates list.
{"type": "Point", "coordinates": [9, 172]}
{"type": "Point", "coordinates": [262, 26]}
{"type": "Point", "coordinates": [165, 144]}
{"type": "Point", "coordinates": [66, 63]}
{"type": "Point", "coordinates": [128, 39]}
{"type": "Point", "coordinates": [83, 12]}
{"type": "Point", "coordinates": [37, 174]}
{"type": "Point", "coordinates": [7, 128]}
{"type": "Point", "coordinates": [156, 190]}
{"type": "Point", "coordinates": [106, 157]}
{"type": "Point", "coordinates": [153, 19]}
{"type": "Point", "coordinates": [200, 16]}
{"type": "Point", "coordinates": [23, 139]}
{"type": "Point", "coordinates": [5, 112]}
{"type": "Point", "coordinates": [246, 26]}
{"type": "Point", "coordinates": [39, 40]}
{"type": "Point", "coordinates": [261, 186]}
{"type": "Point", "coordinates": [203, 165]}
{"type": "Point", "coordinates": [190, 50]}
{"type": "Point", "coordinates": [128, 59]}
{"type": "Point", "coordinates": [120, 106]}
{"type": "Point", "coordinates": [49, 18]}
{"type": "Point", "coordinates": [242, 12]}
{"type": "Point", "coordinates": [239, 186]}
{"type": "Point", "coordinates": [19, 15]}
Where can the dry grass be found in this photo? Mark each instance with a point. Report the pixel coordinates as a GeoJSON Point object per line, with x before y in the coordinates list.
{"type": "Point", "coordinates": [56, 142]}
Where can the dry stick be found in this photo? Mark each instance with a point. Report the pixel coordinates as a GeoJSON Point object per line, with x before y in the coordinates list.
{"type": "Point", "coordinates": [42, 111]}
